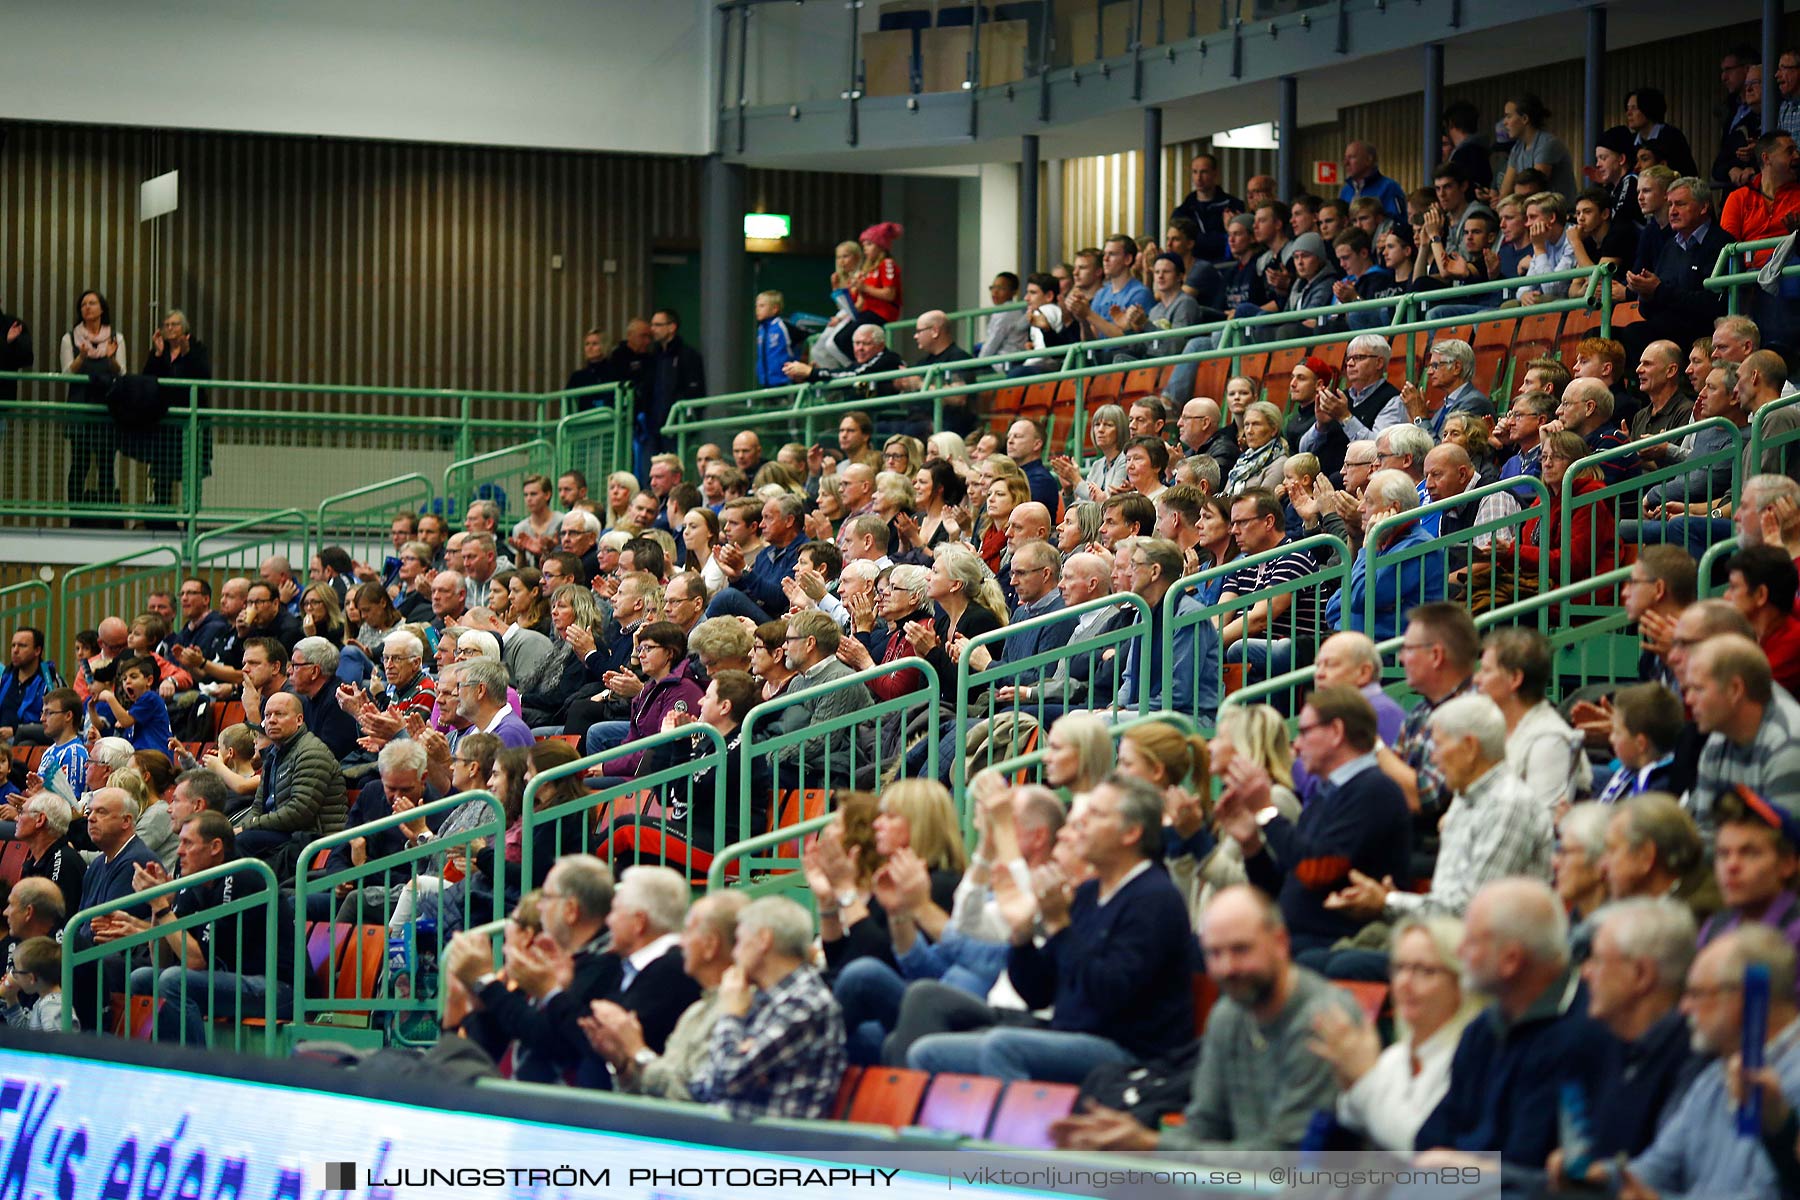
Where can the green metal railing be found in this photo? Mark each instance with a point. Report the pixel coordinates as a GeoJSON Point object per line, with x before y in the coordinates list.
{"type": "Point", "coordinates": [1186, 619]}
{"type": "Point", "coordinates": [666, 801]}
{"type": "Point", "coordinates": [498, 475]}
{"type": "Point", "coordinates": [595, 442]}
{"type": "Point", "coordinates": [1712, 567]}
{"type": "Point", "coordinates": [1106, 651]}
{"type": "Point", "coordinates": [963, 320]}
{"type": "Point", "coordinates": [782, 877]}
{"type": "Point", "coordinates": [801, 408]}
{"type": "Point", "coordinates": [88, 964]}
{"type": "Point", "coordinates": [369, 893]}
{"type": "Point", "coordinates": [28, 604]}
{"type": "Point", "coordinates": [359, 520]}
{"type": "Point", "coordinates": [115, 586]}
{"type": "Point", "coordinates": [1764, 444]}
{"type": "Point", "coordinates": [1029, 766]}
{"type": "Point", "coordinates": [1458, 551]}
{"type": "Point", "coordinates": [860, 749]}
{"type": "Point", "coordinates": [239, 548]}
{"type": "Point", "coordinates": [1626, 495]}
{"type": "Point", "coordinates": [1732, 283]}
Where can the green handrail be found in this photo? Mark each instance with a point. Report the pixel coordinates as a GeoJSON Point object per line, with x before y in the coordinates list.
{"type": "Point", "coordinates": [850, 764]}
{"type": "Point", "coordinates": [1641, 482]}
{"type": "Point", "coordinates": [268, 899]}
{"type": "Point", "coordinates": [1732, 281]}
{"type": "Point", "coordinates": [1717, 553]}
{"type": "Point", "coordinates": [610, 426]}
{"type": "Point", "coordinates": [1380, 559]}
{"type": "Point", "coordinates": [967, 316]}
{"type": "Point", "coordinates": [739, 851]}
{"type": "Point", "coordinates": [658, 783]}
{"type": "Point", "coordinates": [267, 532]}
{"type": "Point", "coordinates": [159, 563]}
{"type": "Point", "coordinates": [936, 395]}
{"type": "Point", "coordinates": [1182, 612]}
{"type": "Point", "coordinates": [999, 673]}
{"type": "Point", "coordinates": [540, 460]}
{"type": "Point", "coordinates": [1762, 443]}
{"type": "Point", "coordinates": [386, 873]}
{"type": "Point", "coordinates": [16, 611]}
{"type": "Point", "coordinates": [350, 526]}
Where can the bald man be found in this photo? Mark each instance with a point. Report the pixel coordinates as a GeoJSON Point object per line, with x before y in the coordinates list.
{"type": "Point", "coordinates": [1587, 408]}
{"type": "Point", "coordinates": [1448, 474]}
{"type": "Point", "coordinates": [1200, 433]}
{"type": "Point", "coordinates": [938, 348]}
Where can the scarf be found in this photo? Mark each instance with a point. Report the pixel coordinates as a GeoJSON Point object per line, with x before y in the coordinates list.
{"type": "Point", "coordinates": [91, 345]}
{"type": "Point", "coordinates": [1252, 463]}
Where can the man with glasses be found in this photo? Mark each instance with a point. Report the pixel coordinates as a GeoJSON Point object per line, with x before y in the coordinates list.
{"type": "Point", "coordinates": [1438, 654]}
{"type": "Point", "coordinates": [405, 690]}
{"type": "Point", "coordinates": [64, 765]}
{"type": "Point", "coordinates": [312, 676]}
{"type": "Point", "coordinates": [1364, 406]}
{"type": "Point", "coordinates": [1156, 566]}
{"type": "Point", "coordinates": [411, 589]}
{"type": "Point", "coordinates": [1356, 822]}
{"type": "Point", "coordinates": [268, 618]}
{"type": "Point", "coordinates": [1587, 408]}
{"type": "Point", "coordinates": [202, 629]}
{"type": "Point", "coordinates": [1449, 387]}
{"type": "Point", "coordinates": [1522, 428]}
{"type": "Point", "coordinates": [1698, 1150]}
{"type": "Point", "coordinates": [1274, 633]}
{"type": "Point", "coordinates": [810, 650]}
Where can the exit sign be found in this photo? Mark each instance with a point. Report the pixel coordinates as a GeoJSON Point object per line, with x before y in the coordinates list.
{"type": "Point", "coordinates": [1325, 173]}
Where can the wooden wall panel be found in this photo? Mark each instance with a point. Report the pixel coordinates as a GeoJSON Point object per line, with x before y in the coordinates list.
{"type": "Point", "coordinates": [331, 261]}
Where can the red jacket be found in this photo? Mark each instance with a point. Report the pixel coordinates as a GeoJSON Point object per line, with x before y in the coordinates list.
{"type": "Point", "coordinates": [1592, 549]}
{"type": "Point", "coordinates": [899, 683]}
{"type": "Point", "coordinates": [1750, 216]}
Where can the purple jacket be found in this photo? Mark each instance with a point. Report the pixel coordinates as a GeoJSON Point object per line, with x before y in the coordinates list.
{"type": "Point", "coordinates": [675, 691]}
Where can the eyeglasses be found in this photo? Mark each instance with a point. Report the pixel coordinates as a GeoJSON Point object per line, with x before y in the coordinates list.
{"type": "Point", "coordinates": [1354, 357]}
{"type": "Point", "coordinates": [1698, 992]}
{"type": "Point", "coordinates": [1428, 970]}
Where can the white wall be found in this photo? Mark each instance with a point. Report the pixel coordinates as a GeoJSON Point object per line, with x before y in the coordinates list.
{"type": "Point", "coordinates": [626, 75]}
{"type": "Point", "coordinates": [998, 249]}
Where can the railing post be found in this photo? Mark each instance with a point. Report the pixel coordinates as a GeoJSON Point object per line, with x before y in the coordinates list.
{"type": "Point", "coordinates": [193, 470]}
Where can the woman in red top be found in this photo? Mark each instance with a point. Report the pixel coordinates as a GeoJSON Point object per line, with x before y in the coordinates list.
{"type": "Point", "coordinates": [1592, 548]}
{"type": "Point", "coordinates": [876, 293]}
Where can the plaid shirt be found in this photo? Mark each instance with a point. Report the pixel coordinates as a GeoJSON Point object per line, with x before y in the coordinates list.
{"type": "Point", "coordinates": [1495, 829]}
{"type": "Point", "coordinates": [785, 1058]}
{"type": "Point", "coordinates": [1415, 749]}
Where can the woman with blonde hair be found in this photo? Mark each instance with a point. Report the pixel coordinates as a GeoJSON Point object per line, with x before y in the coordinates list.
{"type": "Point", "coordinates": [903, 454]}
{"type": "Point", "coordinates": [966, 603]}
{"type": "Point", "coordinates": [1385, 1095]}
{"type": "Point", "coordinates": [893, 494]}
{"type": "Point", "coordinates": [1006, 493]}
{"type": "Point", "coordinates": [778, 475]}
{"type": "Point", "coordinates": [1200, 862]}
{"type": "Point", "coordinates": [952, 449]}
{"type": "Point", "coordinates": [1078, 752]}
{"type": "Point", "coordinates": [321, 614]}
{"type": "Point", "coordinates": [621, 486]}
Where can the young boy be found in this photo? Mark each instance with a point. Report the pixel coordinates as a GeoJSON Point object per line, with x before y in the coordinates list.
{"type": "Point", "coordinates": [36, 971]}
{"type": "Point", "coordinates": [1646, 723]}
{"type": "Point", "coordinates": [1297, 478]}
{"type": "Point", "coordinates": [146, 723]}
{"type": "Point", "coordinates": [776, 341]}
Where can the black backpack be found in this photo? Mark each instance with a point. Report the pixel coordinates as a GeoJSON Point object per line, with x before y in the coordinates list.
{"type": "Point", "coordinates": [1149, 1091]}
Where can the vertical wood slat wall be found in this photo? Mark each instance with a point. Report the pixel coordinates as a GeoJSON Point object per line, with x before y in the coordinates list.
{"type": "Point", "coordinates": [1101, 193]}
{"type": "Point", "coordinates": [386, 264]}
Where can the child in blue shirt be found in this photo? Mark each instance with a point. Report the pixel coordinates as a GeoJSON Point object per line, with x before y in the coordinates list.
{"type": "Point", "coordinates": [777, 342]}
{"type": "Point", "coordinates": [146, 723]}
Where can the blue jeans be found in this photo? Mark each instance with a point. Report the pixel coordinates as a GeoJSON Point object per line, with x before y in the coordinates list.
{"type": "Point", "coordinates": [869, 992]}
{"type": "Point", "coordinates": [1261, 657]}
{"type": "Point", "coordinates": [733, 603]}
{"type": "Point", "coordinates": [1008, 1052]}
{"type": "Point", "coordinates": [604, 735]}
{"type": "Point", "coordinates": [181, 991]}
{"type": "Point", "coordinates": [1695, 534]}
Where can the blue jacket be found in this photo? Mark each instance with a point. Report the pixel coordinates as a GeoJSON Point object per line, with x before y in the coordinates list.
{"type": "Point", "coordinates": [775, 347]}
{"type": "Point", "coordinates": [1398, 587]}
{"type": "Point", "coordinates": [1506, 1080]}
{"type": "Point", "coordinates": [1197, 669]}
{"type": "Point", "coordinates": [762, 582]}
{"type": "Point", "coordinates": [1045, 488]}
{"type": "Point", "coordinates": [1051, 635]}
{"type": "Point", "coordinates": [1391, 194]}
{"type": "Point", "coordinates": [30, 693]}
{"type": "Point", "coordinates": [1141, 935]}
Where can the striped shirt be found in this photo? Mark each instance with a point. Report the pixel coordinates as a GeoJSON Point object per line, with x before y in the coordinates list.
{"type": "Point", "coordinates": [1768, 766]}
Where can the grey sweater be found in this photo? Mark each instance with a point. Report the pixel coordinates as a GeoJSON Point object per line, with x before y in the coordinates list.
{"type": "Point", "coordinates": [1257, 1086]}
